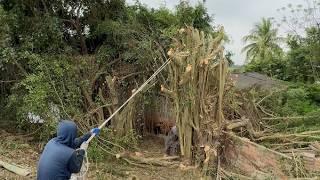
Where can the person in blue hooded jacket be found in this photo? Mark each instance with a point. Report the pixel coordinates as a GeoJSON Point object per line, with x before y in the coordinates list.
{"type": "Point", "coordinates": [60, 157]}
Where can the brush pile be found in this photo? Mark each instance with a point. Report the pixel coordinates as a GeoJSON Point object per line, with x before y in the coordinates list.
{"type": "Point", "coordinates": [228, 133]}
{"type": "Point", "coordinates": [222, 131]}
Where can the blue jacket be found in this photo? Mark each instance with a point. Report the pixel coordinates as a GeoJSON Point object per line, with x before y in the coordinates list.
{"type": "Point", "coordinates": [59, 158]}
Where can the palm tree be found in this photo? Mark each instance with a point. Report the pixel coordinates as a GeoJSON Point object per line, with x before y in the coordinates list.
{"type": "Point", "coordinates": [263, 42]}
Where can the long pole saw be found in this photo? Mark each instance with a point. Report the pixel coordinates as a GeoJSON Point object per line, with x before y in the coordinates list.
{"type": "Point", "coordinates": [85, 166]}
{"type": "Point", "coordinates": [131, 97]}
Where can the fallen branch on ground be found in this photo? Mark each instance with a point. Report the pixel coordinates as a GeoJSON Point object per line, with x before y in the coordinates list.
{"type": "Point", "coordinates": [15, 169]}
{"type": "Point", "coordinates": [164, 161]}
{"type": "Point", "coordinates": [284, 136]}
{"type": "Point", "coordinates": [251, 158]}
{"type": "Point", "coordinates": [297, 117]}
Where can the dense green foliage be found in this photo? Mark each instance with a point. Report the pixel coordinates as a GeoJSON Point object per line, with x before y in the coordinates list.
{"type": "Point", "coordinates": [299, 107]}
{"type": "Point", "coordinates": [298, 64]}
{"type": "Point", "coordinates": [301, 60]}
{"type": "Point", "coordinates": [55, 55]}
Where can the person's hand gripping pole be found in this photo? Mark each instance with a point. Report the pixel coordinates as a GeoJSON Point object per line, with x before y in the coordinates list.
{"type": "Point", "coordinates": [94, 132]}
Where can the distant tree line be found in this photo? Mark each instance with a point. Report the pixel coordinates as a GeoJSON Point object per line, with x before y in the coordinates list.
{"type": "Point", "coordinates": [300, 62]}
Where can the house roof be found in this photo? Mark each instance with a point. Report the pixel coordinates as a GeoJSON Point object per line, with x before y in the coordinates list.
{"type": "Point", "coordinates": [253, 79]}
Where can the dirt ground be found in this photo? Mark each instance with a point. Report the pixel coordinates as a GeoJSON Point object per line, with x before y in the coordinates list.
{"type": "Point", "coordinates": [20, 151]}
{"type": "Point", "coordinates": [16, 150]}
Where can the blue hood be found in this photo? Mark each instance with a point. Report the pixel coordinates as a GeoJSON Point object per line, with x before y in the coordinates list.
{"type": "Point", "coordinates": [66, 133]}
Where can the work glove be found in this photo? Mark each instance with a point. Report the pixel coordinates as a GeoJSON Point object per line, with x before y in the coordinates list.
{"type": "Point", "coordinates": [95, 131]}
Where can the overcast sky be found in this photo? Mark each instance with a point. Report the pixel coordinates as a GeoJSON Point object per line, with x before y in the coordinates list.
{"type": "Point", "coordinates": [237, 16]}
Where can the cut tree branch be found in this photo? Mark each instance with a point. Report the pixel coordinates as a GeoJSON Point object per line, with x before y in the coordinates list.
{"type": "Point", "coordinates": [168, 92]}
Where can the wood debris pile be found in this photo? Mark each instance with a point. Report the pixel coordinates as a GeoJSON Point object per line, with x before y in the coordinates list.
{"type": "Point", "coordinates": [221, 130]}
{"type": "Point", "coordinates": [224, 132]}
